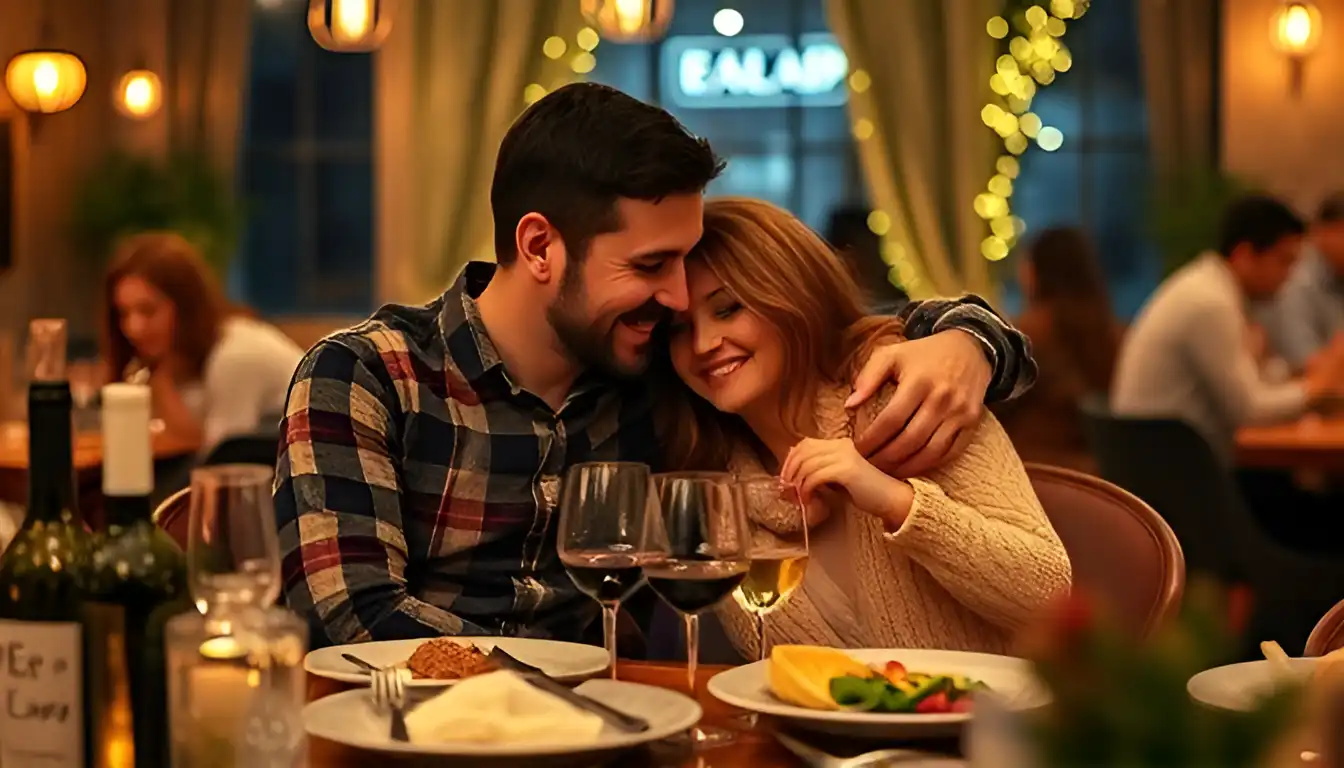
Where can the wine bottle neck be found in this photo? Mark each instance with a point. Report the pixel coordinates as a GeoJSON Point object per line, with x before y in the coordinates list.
{"type": "Point", "coordinates": [51, 475]}
{"type": "Point", "coordinates": [126, 510]}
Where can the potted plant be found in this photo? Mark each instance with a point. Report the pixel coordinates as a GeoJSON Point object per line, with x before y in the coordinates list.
{"type": "Point", "coordinates": [183, 193]}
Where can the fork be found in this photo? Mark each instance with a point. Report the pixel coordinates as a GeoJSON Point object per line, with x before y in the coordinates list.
{"type": "Point", "coordinates": [913, 758]}
{"type": "Point", "coordinates": [389, 693]}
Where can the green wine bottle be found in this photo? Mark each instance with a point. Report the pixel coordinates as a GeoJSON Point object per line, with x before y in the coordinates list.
{"type": "Point", "coordinates": [138, 583]}
{"type": "Point", "coordinates": [44, 577]}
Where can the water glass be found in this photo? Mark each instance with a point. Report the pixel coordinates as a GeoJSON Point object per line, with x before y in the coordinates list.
{"type": "Point", "coordinates": [236, 689]}
{"type": "Point", "coordinates": [233, 554]}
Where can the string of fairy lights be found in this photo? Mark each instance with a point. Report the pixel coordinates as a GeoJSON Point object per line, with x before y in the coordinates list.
{"type": "Point", "coordinates": [1032, 54]}
{"type": "Point", "coordinates": [582, 60]}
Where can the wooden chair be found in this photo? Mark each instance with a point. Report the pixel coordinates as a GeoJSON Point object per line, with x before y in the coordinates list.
{"type": "Point", "coordinates": [1120, 548]}
{"type": "Point", "coordinates": [1329, 633]}
{"type": "Point", "coordinates": [174, 516]}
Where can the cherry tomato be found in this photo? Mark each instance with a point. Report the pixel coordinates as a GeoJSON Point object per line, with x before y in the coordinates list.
{"type": "Point", "coordinates": [894, 671]}
{"type": "Point", "coordinates": [935, 704]}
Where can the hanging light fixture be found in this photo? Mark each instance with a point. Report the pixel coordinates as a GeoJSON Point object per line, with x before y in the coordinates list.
{"type": "Point", "coordinates": [1295, 30]}
{"type": "Point", "coordinates": [629, 21]}
{"type": "Point", "coordinates": [350, 26]}
{"type": "Point", "coordinates": [45, 79]}
{"type": "Point", "coordinates": [138, 94]}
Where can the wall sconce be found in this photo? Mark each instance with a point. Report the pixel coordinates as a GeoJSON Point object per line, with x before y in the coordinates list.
{"type": "Point", "coordinates": [139, 94]}
{"type": "Point", "coordinates": [629, 21]}
{"type": "Point", "coordinates": [44, 80]}
{"type": "Point", "coordinates": [1295, 31]}
{"type": "Point", "coordinates": [350, 26]}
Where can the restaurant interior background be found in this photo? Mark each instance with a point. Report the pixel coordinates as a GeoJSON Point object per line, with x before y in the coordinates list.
{"type": "Point", "coordinates": [323, 147]}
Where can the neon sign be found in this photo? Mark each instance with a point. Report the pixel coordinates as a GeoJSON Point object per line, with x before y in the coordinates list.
{"type": "Point", "coordinates": [713, 72]}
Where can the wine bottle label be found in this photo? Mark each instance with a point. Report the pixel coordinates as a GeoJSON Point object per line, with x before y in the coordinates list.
{"type": "Point", "coordinates": [109, 687]}
{"type": "Point", "coordinates": [42, 715]}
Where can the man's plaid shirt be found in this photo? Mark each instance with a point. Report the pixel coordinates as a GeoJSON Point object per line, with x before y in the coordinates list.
{"type": "Point", "coordinates": [416, 485]}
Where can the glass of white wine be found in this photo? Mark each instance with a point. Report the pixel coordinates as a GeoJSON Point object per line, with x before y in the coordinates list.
{"type": "Point", "coordinates": [779, 549]}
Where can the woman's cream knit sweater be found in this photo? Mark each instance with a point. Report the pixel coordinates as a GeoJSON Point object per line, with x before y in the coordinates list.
{"type": "Point", "coordinates": [974, 560]}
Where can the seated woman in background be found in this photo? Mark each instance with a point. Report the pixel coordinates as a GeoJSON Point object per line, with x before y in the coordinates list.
{"type": "Point", "coordinates": [1075, 339]}
{"type": "Point", "coordinates": [959, 559]}
{"type": "Point", "coordinates": [214, 372]}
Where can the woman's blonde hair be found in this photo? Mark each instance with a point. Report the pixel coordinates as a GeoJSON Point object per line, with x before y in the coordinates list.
{"type": "Point", "coordinates": [785, 273]}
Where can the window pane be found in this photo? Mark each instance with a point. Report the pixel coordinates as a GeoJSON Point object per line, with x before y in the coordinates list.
{"type": "Point", "coordinates": [279, 39]}
{"type": "Point", "coordinates": [272, 239]}
{"type": "Point", "coordinates": [344, 236]}
{"type": "Point", "coordinates": [344, 93]}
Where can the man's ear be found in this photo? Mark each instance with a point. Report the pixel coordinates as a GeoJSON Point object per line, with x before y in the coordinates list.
{"type": "Point", "coordinates": [540, 250]}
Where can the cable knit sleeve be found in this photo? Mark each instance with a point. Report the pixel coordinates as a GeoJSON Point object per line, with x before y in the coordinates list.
{"type": "Point", "coordinates": [978, 528]}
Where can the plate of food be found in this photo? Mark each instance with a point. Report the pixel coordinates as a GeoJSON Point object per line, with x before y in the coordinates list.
{"type": "Point", "coordinates": [876, 693]}
{"type": "Point", "coordinates": [1240, 687]}
{"type": "Point", "coordinates": [498, 715]}
{"type": "Point", "coordinates": [443, 661]}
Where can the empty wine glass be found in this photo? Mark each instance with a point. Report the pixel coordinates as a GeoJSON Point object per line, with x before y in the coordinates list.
{"type": "Point", "coordinates": [779, 549]}
{"type": "Point", "coordinates": [233, 555]}
{"type": "Point", "coordinates": [697, 556]}
{"type": "Point", "coordinates": [603, 511]}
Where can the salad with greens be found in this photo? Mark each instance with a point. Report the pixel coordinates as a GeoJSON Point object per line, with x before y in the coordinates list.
{"type": "Point", "coordinates": [893, 689]}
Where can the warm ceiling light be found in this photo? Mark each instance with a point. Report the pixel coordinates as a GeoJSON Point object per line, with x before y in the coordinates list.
{"type": "Point", "coordinates": [139, 94]}
{"type": "Point", "coordinates": [350, 26]}
{"type": "Point", "coordinates": [1296, 28]}
{"type": "Point", "coordinates": [45, 81]}
{"type": "Point", "coordinates": [629, 21]}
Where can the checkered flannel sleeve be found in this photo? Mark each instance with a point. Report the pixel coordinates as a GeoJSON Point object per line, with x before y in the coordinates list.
{"type": "Point", "coordinates": [1008, 349]}
{"type": "Point", "coordinates": [338, 507]}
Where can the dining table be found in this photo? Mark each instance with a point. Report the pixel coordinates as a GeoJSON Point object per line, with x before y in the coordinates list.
{"type": "Point", "coordinates": [1311, 443]}
{"type": "Point", "coordinates": [755, 745]}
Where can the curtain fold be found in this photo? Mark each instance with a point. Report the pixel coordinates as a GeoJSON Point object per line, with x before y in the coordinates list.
{"type": "Point", "coordinates": [928, 153]}
{"type": "Point", "coordinates": [205, 90]}
{"type": "Point", "coordinates": [458, 81]}
{"type": "Point", "coordinates": [1177, 40]}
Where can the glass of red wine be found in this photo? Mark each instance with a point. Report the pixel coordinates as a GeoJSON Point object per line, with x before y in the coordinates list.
{"type": "Point", "coordinates": [604, 508]}
{"type": "Point", "coordinates": [696, 555]}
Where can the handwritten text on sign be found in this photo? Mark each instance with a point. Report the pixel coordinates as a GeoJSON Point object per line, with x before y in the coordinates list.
{"type": "Point", "coordinates": [41, 715]}
{"type": "Point", "coordinates": [754, 71]}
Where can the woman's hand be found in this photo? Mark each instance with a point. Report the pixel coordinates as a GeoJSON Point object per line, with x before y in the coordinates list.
{"type": "Point", "coordinates": [814, 463]}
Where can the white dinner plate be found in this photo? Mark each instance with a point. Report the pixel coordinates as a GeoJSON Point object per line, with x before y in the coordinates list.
{"type": "Point", "coordinates": [350, 718]}
{"type": "Point", "coordinates": [569, 662]}
{"type": "Point", "coordinates": [1010, 679]}
{"type": "Point", "coordinates": [1237, 687]}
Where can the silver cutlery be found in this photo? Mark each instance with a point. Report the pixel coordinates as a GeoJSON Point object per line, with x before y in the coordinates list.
{"type": "Point", "coordinates": [358, 662]}
{"type": "Point", "coordinates": [389, 693]}
{"type": "Point", "coordinates": [906, 758]}
{"type": "Point", "coordinates": [545, 682]}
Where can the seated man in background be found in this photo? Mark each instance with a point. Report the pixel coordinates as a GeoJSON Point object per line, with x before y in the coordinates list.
{"type": "Point", "coordinates": [1190, 353]}
{"type": "Point", "coordinates": [422, 451]}
{"type": "Point", "coordinates": [1308, 313]}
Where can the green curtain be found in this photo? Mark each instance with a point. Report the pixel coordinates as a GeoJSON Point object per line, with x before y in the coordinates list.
{"type": "Point", "coordinates": [928, 154]}
{"type": "Point", "coordinates": [470, 66]}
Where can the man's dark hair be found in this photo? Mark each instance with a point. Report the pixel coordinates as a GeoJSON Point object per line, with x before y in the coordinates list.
{"type": "Point", "coordinates": [1259, 221]}
{"type": "Point", "coordinates": [579, 149]}
{"type": "Point", "coordinates": [1332, 209]}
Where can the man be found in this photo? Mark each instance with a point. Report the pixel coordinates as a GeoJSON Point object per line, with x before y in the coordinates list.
{"type": "Point", "coordinates": [422, 450]}
{"type": "Point", "coordinates": [1189, 353]}
{"type": "Point", "coordinates": [1309, 312]}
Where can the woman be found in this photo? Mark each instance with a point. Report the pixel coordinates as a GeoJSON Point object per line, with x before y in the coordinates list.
{"type": "Point", "coordinates": [213, 372]}
{"type": "Point", "coordinates": [1075, 339]}
{"type": "Point", "coordinates": [958, 559]}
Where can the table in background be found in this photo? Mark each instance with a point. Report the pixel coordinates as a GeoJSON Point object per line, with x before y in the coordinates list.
{"type": "Point", "coordinates": [1309, 444]}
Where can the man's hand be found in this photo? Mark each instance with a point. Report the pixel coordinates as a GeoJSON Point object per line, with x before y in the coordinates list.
{"type": "Point", "coordinates": [940, 391]}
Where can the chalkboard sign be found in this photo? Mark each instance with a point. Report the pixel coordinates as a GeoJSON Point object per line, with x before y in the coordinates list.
{"type": "Point", "coordinates": [6, 193]}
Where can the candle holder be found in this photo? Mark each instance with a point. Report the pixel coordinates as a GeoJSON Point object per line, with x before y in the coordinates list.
{"type": "Point", "coordinates": [236, 689]}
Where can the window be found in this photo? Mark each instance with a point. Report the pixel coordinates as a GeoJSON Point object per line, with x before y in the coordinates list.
{"type": "Point", "coordinates": [1099, 179]}
{"type": "Point", "coordinates": [307, 172]}
{"type": "Point", "coordinates": [793, 147]}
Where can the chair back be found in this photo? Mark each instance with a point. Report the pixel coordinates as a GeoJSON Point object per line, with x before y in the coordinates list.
{"type": "Point", "coordinates": [1120, 549]}
{"type": "Point", "coordinates": [1329, 633]}
{"type": "Point", "coordinates": [256, 448]}
{"type": "Point", "coordinates": [174, 516]}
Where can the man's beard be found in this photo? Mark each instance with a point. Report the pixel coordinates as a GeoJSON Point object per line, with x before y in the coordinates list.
{"type": "Point", "coordinates": [588, 344]}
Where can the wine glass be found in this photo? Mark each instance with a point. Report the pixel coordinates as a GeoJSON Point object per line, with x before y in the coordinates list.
{"type": "Point", "coordinates": [697, 556]}
{"type": "Point", "coordinates": [233, 555]}
{"type": "Point", "coordinates": [778, 553]}
{"type": "Point", "coordinates": [603, 512]}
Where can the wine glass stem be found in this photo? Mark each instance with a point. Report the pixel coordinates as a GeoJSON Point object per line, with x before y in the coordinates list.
{"type": "Point", "coordinates": [610, 612]}
{"type": "Point", "coordinates": [760, 635]}
{"type": "Point", "coordinates": [692, 622]}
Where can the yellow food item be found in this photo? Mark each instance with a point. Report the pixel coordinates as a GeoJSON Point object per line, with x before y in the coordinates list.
{"type": "Point", "coordinates": [802, 674]}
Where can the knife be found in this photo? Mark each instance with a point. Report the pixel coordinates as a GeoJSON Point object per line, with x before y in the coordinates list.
{"type": "Point", "coordinates": [545, 682]}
